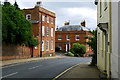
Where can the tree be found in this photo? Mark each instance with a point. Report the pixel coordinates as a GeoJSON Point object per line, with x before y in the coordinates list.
{"type": "Point", "coordinates": [93, 43]}
{"type": "Point", "coordinates": [15, 28]}
{"type": "Point", "coordinates": [16, 5]}
{"type": "Point", "coordinates": [78, 49]}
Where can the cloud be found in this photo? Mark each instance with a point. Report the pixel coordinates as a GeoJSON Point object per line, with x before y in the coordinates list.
{"type": "Point", "coordinates": [68, 10]}
{"type": "Point", "coordinates": [76, 15]}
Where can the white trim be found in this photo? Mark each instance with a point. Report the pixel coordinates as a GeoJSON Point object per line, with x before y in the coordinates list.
{"type": "Point", "coordinates": [27, 16]}
{"type": "Point", "coordinates": [43, 17]}
{"type": "Point", "coordinates": [51, 32]}
{"type": "Point", "coordinates": [43, 30]}
{"type": "Point", "coordinates": [66, 47]}
{"type": "Point", "coordinates": [76, 38]}
{"type": "Point", "coordinates": [67, 37]}
{"type": "Point", "coordinates": [58, 37]}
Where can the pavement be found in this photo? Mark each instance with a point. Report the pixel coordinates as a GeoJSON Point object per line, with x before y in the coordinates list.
{"type": "Point", "coordinates": [82, 71]}
{"type": "Point", "coordinates": [17, 61]}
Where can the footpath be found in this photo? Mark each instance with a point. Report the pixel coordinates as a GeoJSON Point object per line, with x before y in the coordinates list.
{"type": "Point", "coordinates": [81, 72]}
{"type": "Point", "coordinates": [18, 61]}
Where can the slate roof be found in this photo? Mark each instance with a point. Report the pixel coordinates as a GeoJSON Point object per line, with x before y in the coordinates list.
{"type": "Point", "coordinates": [73, 28]}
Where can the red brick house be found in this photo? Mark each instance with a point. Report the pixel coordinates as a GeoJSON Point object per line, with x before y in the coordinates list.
{"type": "Point", "coordinates": [43, 22]}
{"type": "Point", "coordinates": [67, 35]}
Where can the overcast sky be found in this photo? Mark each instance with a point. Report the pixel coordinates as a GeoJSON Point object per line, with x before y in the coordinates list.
{"type": "Point", "coordinates": [75, 11]}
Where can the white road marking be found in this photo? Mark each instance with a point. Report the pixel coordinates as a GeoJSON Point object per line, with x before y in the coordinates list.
{"type": "Point", "coordinates": [9, 75]}
{"type": "Point", "coordinates": [34, 67]}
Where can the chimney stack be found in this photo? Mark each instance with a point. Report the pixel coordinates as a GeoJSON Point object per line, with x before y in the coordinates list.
{"type": "Point", "coordinates": [66, 23]}
{"type": "Point", "coordinates": [39, 3]}
{"type": "Point", "coordinates": [83, 23]}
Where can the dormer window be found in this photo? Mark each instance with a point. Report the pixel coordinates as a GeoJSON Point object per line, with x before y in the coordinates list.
{"type": "Point", "coordinates": [28, 16]}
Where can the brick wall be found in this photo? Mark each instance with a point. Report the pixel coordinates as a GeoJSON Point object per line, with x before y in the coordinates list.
{"type": "Point", "coordinates": [15, 52]}
{"type": "Point", "coordinates": [72, 36]}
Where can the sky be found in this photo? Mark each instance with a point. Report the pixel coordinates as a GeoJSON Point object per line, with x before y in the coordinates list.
{"type": "Point", "coordinates": [66, 10]}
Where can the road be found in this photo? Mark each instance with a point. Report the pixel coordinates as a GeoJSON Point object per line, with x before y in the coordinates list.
{"type": "Point", "coordinates": [42, 69]}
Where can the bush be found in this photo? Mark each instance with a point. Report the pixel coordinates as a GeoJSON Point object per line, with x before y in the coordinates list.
{"type": "Point", "coordinates": [78, 49]}
{"type": "Point", "coordinates": [70, 54]}
{"type": "Point", "coordinates": [57, 49]}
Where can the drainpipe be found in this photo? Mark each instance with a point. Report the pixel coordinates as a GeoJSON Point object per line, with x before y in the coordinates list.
{"type": "Point", "coordinates": [109, 76]}
{"type": "Point", "coordinates": [41, 38]}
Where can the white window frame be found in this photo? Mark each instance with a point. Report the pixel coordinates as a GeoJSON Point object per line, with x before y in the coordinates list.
{"type": "Point", "coordinates": [43, 30]}
{"type": "Point", "coordinates": [51, 32]}
{"type": "Point", "coordinates": [27, 16]}
{"type": "Point", "coordinates": [36, 47]}
{"type": "Point", "coordinates": [51, 45]}
{"type": "Point", "coordinates": [47, 45]}
{"type": "Point", "coordinates": [58, 37]}
{"type": "Point", "coordinates": [76, 38]}
{"type": "Point", "coordinates": [42, 45]}
{"type": "Point", "coordinates": [43, 17]}
{"type": "Point", "coordinates": [47, 19]}
{"type": "Point", "coordinates": [47, 31]}
{"type": "Point", "coordinates": [67, 37]}
{"type": "Point", "coordinates": [51, 20]}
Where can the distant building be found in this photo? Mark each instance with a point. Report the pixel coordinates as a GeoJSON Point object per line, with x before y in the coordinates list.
{"type": "Point", "coordinates": [67, 35]}
{"type": "Point", "coordinates": [43, 22]}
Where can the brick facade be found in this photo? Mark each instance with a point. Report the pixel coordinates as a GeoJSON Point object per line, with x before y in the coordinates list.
{"type": "Point", "coordinates": [72, 36]}
{"type": "Point", "coordinates": [37, 14]}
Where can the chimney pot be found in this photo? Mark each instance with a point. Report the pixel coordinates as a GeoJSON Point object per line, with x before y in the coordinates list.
{"type": "Point", "coordinates": [83, 23]}
{"type": "Point", "coordinates": [39, 3]}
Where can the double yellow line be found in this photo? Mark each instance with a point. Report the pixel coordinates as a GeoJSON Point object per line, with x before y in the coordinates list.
{"type": "Point", "coordinates": [65, 71]}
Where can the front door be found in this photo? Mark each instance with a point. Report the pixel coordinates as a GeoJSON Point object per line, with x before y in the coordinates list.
{"type": "Point", "coordinates": [67, 47]}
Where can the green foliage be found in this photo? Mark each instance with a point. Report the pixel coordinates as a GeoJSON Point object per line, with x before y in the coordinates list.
{"type": "Point", "coordinates": [70, 54]}
{"type": "Point", "coordinates": [93, 43]}
{"type": "Point", "coordinates": [57, 49]}
{"type": "Point", "coordinates": [15, 28]}
{"type": "Point", "coordinates": [78, 49]}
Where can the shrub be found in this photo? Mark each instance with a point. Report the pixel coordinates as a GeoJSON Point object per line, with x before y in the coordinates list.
{"type": "Point", "coordinates": [70, 54]}
{"type": "Point", "coordinates": [78, 49]}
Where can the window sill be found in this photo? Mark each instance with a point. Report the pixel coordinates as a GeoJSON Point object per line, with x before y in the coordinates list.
{"type": "Point", "coordinates": [77, 39]}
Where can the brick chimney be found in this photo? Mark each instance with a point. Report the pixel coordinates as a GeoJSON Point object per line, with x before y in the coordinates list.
{"type": "Point", "coordinates": [83, 23]}
{"type": "Point", "coordinates": [66, 23]}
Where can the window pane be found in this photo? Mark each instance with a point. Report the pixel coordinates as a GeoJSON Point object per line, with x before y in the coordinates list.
{"type": "Point", "coordinates": [43, 30]}
{"type": "Point", "coordinates": [47, 19]}
{"type": "Point", "coordinates": [43, 18]}
{"type": "Point", "coordinates": [51, 20]}
{"type": "Point", "coordinates": [47, 45]}
{"type": "Point", "coordinates": [59, 37]}
{"type": "Point", "coordinates": [47, 31]}
{"type": "Point", "coordinates": [51, 45]}
{"type": "Point", "coordinates": [28, 16]}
